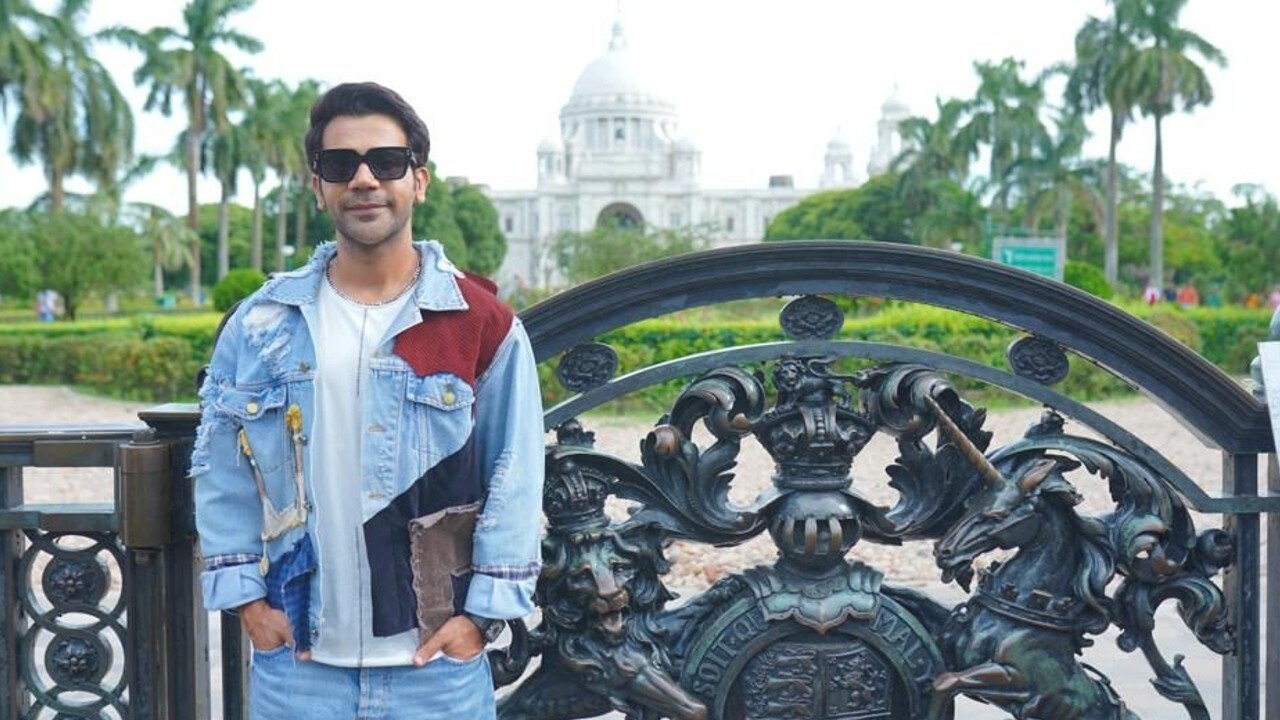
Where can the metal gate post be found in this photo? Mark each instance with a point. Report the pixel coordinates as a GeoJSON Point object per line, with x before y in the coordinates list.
{"type": "Point", "coordinates": [145, 504]}
{"type": "Point", "coordinates": [185, 622]}
{"type": "Point", "coordinates": [1273, 594]}
{"type": "Point", "coordinates": [1241, 676]}
{"type": "Point", "coordinates": [12, 622]}
{"type": "Point", "coordinates": [168, 642]}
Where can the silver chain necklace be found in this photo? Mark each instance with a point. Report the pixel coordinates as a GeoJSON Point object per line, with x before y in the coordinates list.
{"type": "Point", "coordinates": [364, 320]}
{"type": "Point", "coordinates": [399, 293]}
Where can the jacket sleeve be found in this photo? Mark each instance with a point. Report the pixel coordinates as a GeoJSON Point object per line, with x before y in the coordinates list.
{"type": "Point", "coordinates": [506, 554]}
{"type": "Point", "coordinates": [228, 511]}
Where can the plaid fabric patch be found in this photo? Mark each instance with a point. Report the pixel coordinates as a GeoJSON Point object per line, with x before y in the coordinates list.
{"type": "Point", "coordinates": [289, 589]}
{"type": "Point", "coordinates": [220, 561]}
{"type": "Point", "coordinates": [509, 572]}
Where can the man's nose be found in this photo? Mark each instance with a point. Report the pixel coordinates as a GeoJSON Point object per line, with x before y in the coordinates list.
{"type": "Point", "coordinates": [364, 177]}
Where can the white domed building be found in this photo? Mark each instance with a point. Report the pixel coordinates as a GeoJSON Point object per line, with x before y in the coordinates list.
{"type": "Point", "coordinates": [620, 155]}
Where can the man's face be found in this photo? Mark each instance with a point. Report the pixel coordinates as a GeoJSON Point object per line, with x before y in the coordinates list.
{"type": "Point", "coordinates": [365, 210]}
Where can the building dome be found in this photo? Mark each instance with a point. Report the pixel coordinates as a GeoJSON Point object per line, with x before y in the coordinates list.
{"type": "Point", "coordinates": [895, 107]}
{"type": "Point", "coordinates": [614, 79]}
{"type": "Point", "coordinates": [838, 144]}
{"type": "Point", "coordinates": [550, 144]}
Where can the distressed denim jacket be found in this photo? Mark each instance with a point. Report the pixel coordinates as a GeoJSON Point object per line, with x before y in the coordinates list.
{"type": "Point", "coordinates": [455, 418]}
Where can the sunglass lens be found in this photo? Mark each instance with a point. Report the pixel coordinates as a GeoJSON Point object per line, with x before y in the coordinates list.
{"type": "Point", "coordinates": [388, 163]}
{"type": "Point", "coordinates": [337, 166]}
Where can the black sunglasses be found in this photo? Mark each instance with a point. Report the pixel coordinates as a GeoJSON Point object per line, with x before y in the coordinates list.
{"type": "Point", "coordinates": [340, 165]}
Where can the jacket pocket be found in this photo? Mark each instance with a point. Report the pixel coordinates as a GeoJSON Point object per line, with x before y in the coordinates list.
{"type": "Point", "coordinates": [440, 558]}
{"type": "Point", "coordinates": [261, 414]}
{"type": "Point", "coordinates": [289, 589]}
{"type": "Point", "coordinates": [440, 406]}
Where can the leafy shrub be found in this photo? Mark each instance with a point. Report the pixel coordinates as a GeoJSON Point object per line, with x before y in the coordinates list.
{"type": "Point", "coordinates": [1088, 277]}
{"type": "Point", "coordinates": [236, 286]}
{"type": "Point", "coordinates": [158, 370]}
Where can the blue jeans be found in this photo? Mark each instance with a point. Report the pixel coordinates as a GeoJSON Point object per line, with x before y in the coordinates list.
{"type": "Point", "coordinates": [282, 688]}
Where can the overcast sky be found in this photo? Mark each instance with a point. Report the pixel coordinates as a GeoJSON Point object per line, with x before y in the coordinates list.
{"type": "Point", "coordinates": [760, 86]}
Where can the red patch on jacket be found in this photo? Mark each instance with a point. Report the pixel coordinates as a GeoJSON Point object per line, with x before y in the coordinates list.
{"type": "Point", "coordinates": [460, 342]}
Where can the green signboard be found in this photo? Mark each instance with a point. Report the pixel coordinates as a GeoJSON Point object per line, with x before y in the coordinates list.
{"type": "Point", "coordinates": [1042, 256]}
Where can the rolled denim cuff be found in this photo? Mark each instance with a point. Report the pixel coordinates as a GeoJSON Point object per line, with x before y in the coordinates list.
{"type": "Point", "coordinates": [232, 586]}
{"type": "Point", "coordinates": [499, 598]}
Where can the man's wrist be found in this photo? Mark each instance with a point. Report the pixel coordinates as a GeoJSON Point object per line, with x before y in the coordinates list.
{"type": "Point", "coordinates": [489, 628]}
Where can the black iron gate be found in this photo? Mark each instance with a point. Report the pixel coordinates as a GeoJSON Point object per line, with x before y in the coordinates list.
{"type": "Point", "coordinates": [817, 634]}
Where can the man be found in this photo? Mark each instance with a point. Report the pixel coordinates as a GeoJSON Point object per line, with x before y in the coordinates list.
{"type": "Point", "coordinates": [369, 461]}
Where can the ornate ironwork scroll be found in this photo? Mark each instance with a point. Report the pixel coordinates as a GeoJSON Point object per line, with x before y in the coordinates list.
{"type": "Point", "coordinates": [72, 652]}
{"type": "Point", "coordinates": [818, 634]}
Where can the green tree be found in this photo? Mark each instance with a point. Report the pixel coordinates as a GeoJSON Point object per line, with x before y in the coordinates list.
{"type": "Point", "coordinates": [1163, 77]}
{"type": "Point", "coordinates": [873, 211]}
{"type": "Point", "coordinates": [610, 247]}
{"type": "Point", "coordinates": [1095, 81]}
{"type": "Point", "coordinates": [477, 218]}
{"type": "Point", "coordinates": [1052, 178]}
{"type": "Point", "coordinates": [931, 150]}
{"type": "Point", "coordinates": [932, 169]}
{"type": "Point", "coordinates": [78, 254]}
{"type": "Point", "coordinates": [831, 215]}
{"type": "Point", "coordinates": [237, 223]}
{"type": "Point", "coordinates": [1251, 242]}
{"type": "Point", "coordinates": [21, 60]}
{"type": "Point", "coordinates": [18, 273]}
{"type": "Point", "coordinates": [189, 62]}
{"type": "Point", "coordinates": [435, 219]}
{"type": "Point", "coordinates": [260, 133]}
{"type": "Point", "coordinates": [71, 118]}
{"type": "Point", "coordinates": [169, 241]}
{"type": "Point", "coordinates": [1003, 117]}
{"type": "Point", "coordinates": [229, 153]}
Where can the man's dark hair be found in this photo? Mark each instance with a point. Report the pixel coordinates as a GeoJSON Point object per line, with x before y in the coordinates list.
{"type": "Point", "coordinates": [367, 98]}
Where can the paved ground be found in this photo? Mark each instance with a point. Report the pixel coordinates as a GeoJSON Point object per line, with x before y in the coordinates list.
{"type": "Point", "coordinates": [696, 566]}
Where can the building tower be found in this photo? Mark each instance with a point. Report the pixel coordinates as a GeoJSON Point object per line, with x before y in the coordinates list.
{"type": "Point", "coordinates": [888, 134]}
{"type": "Point", "coordinates": [837, 164]}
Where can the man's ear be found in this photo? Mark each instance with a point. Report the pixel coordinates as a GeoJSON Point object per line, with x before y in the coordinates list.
{"type": "Point", "coordinates": [421, 179]}
{"type": "Point", "coordinates": [317, 192]}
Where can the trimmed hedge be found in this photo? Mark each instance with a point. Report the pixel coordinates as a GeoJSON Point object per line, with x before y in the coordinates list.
{"type": "Point", "coordinates": [157, 370]}
{"type": "Point", "coordinates": [1226, 337]}
{"type": "Point", "coordinates": [156, 357]}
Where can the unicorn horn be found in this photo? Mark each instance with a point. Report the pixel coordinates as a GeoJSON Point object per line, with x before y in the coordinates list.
{"type": "Point", "coordinates": [971, 452]}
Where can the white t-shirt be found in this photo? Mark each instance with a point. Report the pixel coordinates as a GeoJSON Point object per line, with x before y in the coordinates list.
{"type": "Point", "coordinates": [346, 335]}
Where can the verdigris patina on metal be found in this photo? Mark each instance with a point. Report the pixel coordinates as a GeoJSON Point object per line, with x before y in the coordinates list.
{"type": "Point", "coordinates": [819, 634]}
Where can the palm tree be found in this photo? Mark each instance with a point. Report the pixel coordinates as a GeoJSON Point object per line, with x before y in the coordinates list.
{"type": "Point", "coordinates": [231, 150]}
{"type": "Point", "coordinates": [189, 62]}
{"type": "Point", "coordinates": [930, 151]}
{"type": "Point", "coordinates": [258, 135]}
{"type": "Point", "coordinates": [170, 241]}
{"type": "Point", "coordinates": [72, 119]}
{"type": "Point", "coordinates": [280, 119]}
{"type": "Point", "coordinates": [21, 60]}
{"type": "Point", "coordinates": [1004, 115]}
{"type": "Point", "coordinates": [1094, 82]}
{"type": "Point", "coordinates": [932, 169]}
{"type": "Point", "coordinates": [299, 117]}
{"type": "Point", "coordinates": [1053, 178]}
{"type": "Point", "coordinates": [1162, 77]}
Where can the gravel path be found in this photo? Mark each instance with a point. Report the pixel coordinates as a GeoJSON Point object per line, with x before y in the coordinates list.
{"type": "Point", "coordinates": [695, 566]}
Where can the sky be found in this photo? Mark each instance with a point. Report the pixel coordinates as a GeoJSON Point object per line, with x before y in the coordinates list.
{"type": "Point", "coordinates": [761, 87]}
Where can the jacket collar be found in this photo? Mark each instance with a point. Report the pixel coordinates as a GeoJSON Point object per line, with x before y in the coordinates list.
{"type": "Point", "coordinates": [437, 287]}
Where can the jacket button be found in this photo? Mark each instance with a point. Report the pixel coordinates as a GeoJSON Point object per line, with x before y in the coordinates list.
{"type": "Point", "coordinates": [251, 408]}
{"type": "Point", "coordinates": [448, 397]}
